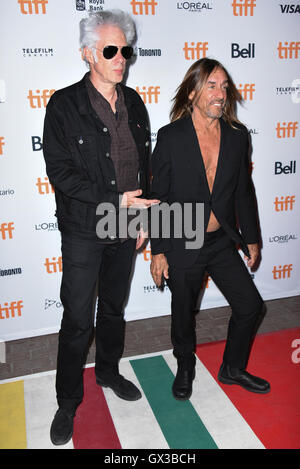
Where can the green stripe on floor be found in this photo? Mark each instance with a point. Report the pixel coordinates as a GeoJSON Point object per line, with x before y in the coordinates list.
{"type": "Point", "coordinates": [180, 423]}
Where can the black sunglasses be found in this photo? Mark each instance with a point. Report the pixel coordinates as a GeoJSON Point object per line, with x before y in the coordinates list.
{"type": "Point", "coordinates": [110, 51]}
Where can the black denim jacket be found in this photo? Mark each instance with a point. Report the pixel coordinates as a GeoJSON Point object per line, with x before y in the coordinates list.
{"type": "Point", "coordinates": [76, 147]}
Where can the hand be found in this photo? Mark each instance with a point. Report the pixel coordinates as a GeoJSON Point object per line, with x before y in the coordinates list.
{"type": "Point", "coordinates": [254, 254]}
{"type": "Point", "coordinates": [141, 237]}
{"type": "Point", "coordinates": [159, 267]}
{"type": "Point", "coordinates": [132, 199]}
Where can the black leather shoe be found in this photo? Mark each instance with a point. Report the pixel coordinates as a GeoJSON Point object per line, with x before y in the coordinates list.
{"type": "Point", "coordinates": [243, 378]}
{"type": "Point", "coordinates": [183, 384]}
{"type": "Point", "coordinates": [62, 427]}
{"type": "Point", "coordinates": [121, 387]}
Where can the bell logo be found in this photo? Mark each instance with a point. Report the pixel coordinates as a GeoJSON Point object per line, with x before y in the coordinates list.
{"type": "Point", "coordinates": [9, 311]}
{"type": "Point", "coordinates": [195, 52]}
{"type": "Point", "coordinates": [286, 130]}
{"type": "Point", "coordinates": [243, 7]}
{"type": "Point", "coordinates": [145, 7]}
{"type": "Point", "coordinates": [26, 6]}
{"type": "Point", "coordinates": [6, 229]}
{"type": "Point", "coordinates": [282, 271]}
{"type": "Point", "coordinates": [148, 94]}
{"type": "Point", "coordinates": [44, 187]}
{"type": "Point", "coordinates": [285, 203]}
{"type": "Point", "coordinates": [290, 50]}
{"type": "Point", "coordinates": [54, 266]}
{"type": "Point", "coordinates": [2, 143]}
{"type": "Point", "coordinates": [247, 91]}
{"type": "Point", "coordinates": [39, 99]}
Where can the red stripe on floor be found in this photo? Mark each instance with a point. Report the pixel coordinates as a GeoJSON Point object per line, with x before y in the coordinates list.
{"type": "Point", "coordinates": [274, 417]}
{"type": "Point", "coordinates": [93, 425]}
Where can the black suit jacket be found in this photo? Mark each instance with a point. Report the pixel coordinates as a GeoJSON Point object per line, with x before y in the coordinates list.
{"type": "Point", "coordinates": [179, 176]}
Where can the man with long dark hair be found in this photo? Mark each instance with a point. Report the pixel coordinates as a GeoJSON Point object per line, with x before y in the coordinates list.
{"type": "Point", "coordinates": [201, 157]}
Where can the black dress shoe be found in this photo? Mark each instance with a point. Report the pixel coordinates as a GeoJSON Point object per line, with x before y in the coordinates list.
{"type": "Point", "coordinates": [244, 379]}
{"type": "Point", "coordinates": [121, 387]}
{"type": "Point", "coordinates": [183, 384]}
{"type": "Point", "coordinates": [62, 427]}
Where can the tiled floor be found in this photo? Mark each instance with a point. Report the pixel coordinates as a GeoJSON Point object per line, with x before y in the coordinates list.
{"type": "Point", "coordinates": [37, 354]}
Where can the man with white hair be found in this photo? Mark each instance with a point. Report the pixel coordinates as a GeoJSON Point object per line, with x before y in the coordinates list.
{"type": "Point", "coordinates": [96, 146]}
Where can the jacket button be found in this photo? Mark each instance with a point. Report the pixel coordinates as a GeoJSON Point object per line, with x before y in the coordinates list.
{"type": "Point", "coordinates": [113, 182]}
{"type": "Point", "coordinates": [104, 129]}
{"type": "Point", "coordinates": [147, 144]}
{"type": "Point", "coordinates": [107, 155]}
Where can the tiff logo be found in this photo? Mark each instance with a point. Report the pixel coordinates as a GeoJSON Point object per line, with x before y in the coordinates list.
{"type": "Point", "coordinates": [9, 311]}
{"type": "Point", "coordinates": [2, 143]}
{"type": "Point", "coordinates": [282, 271]}
{"type": "Point", "coordinates": [285, 203]}
{"type": "Point", "coordinates": [195, 52]}
{"type": "Point", "coordinates": [26, 6]}
{"type": "Point", "coordinates": [145, 7]}
{"type": "Point", "coordinates": [40, 99]}
{"type": "Point", "coordinates": [290, 50]}
{"type": "Point", "coordinates": [54, 266]}
{"type": "Point", "coordinates": [247, 91]}
{"type": "Point", "coordinates": [44, 187]}
{"type": "Point", "coordinates": [7, 229]}
{"type": "Point", "coordinates": [150, 94]}
{"type": "Point", "coordinates": [243, 7]}
{"type": "Point", "coordinates": [286, 130]}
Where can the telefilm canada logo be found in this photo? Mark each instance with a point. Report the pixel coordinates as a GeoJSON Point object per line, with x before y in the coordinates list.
{"type": "Point", "coordinates": [91, 5]}
{"type": "Point", "coordinates": [292, 90]}
{"type": "Point", "coordinates": [37, 52]}
{"type": "Point", "coordinates": [194, 7]}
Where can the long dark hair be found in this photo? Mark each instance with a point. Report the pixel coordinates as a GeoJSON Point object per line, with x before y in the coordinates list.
{"type": "Point", "coordinates": [194, 80]}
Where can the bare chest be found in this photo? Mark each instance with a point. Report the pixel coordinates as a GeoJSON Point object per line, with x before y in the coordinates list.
{"type": "Point", "coordinates": [210, 146]}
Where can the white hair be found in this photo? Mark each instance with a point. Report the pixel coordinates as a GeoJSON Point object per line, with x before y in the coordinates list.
{"type": "Point", "coordinates": [89, 33]}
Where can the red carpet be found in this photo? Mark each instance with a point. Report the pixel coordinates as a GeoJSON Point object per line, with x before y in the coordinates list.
{"type": "Point", "coordinates": [274, 417]}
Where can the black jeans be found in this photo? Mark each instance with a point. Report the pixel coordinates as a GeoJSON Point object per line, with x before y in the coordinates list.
{"type": "Point", "coordinates": [86, 261]}
{"type": "Point", "coordinates": [221, 260]}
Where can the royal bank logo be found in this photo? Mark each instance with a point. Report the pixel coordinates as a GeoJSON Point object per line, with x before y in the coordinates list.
{"type": "Point", "coordinates": [34, 52]}
{"type": "Point", "coordinates": [194, 7]}
{"type": "Point", "coordinates": [90, 5]}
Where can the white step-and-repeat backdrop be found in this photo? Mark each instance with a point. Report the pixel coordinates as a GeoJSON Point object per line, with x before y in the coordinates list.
{"type": "Point", "coordinates": [258, 41]}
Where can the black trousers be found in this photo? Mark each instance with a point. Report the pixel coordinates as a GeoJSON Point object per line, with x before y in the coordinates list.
{"type": "Point", "coordinates": [86, 261]}
{"type": "Point", "coordinates": [221, 260]}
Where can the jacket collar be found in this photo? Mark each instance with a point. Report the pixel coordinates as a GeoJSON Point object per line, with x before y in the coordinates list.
{"type": "Point", "coordinates": [83, 100]}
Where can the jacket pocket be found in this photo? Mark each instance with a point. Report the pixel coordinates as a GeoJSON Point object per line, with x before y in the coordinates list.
{"type": "Point", "coordinates": [83, 149]}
